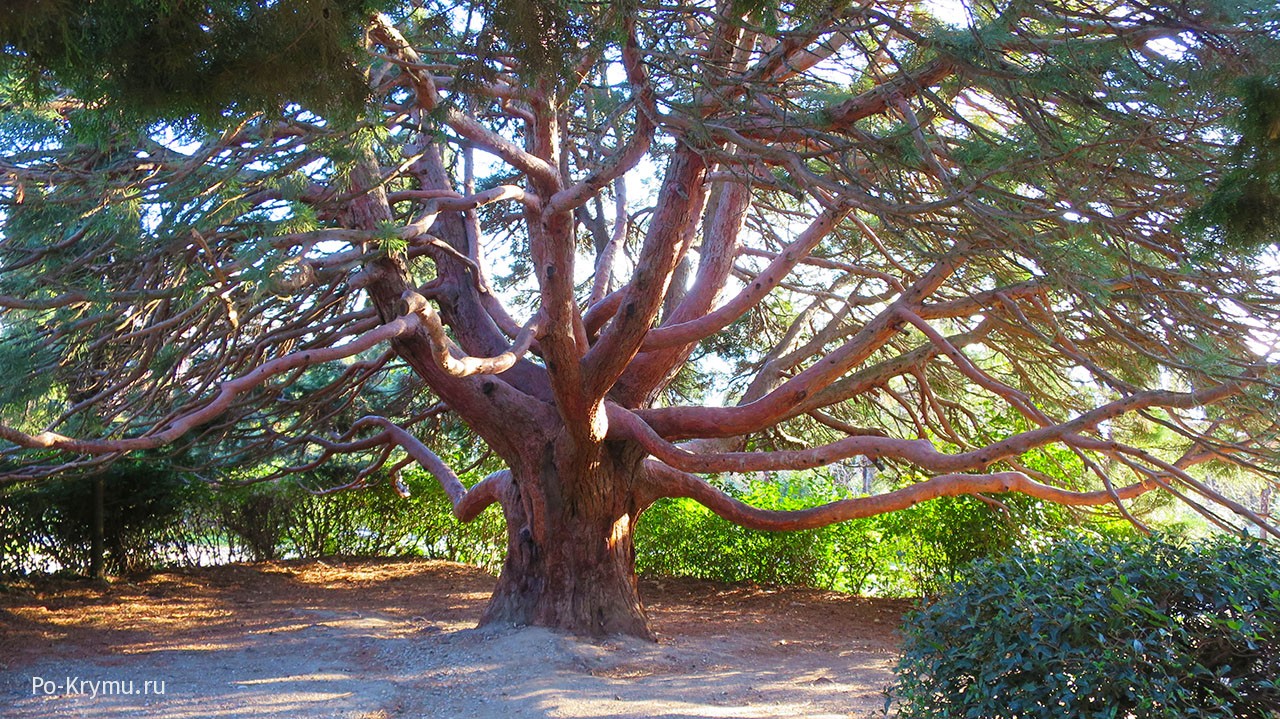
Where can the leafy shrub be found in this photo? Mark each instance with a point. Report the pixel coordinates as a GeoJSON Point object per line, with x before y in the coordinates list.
{"type": "Point", "coordinates": [279, 519]}
{"type": "Point", "coordinates": [54, 519]}
{"type": "Point", "coordinates": [909, 553]}
{"type": "Point", "coordinates": [373, 521]}
{"type": "Point", "coordinates": [156, 517]}
{"type": "Point", "coordinates": [928, 547]}
{"type": "Point", "coordinates": [376, 521]}
{"type": "Point", "coordinates": [14, 541]}
{"type": "Point", "coordinates": [679, 537]}
{"type": "Point", "coordinates": [257, 516]}
{"type": "Point", "coordinates": [1153, 628]}
{"type": "Point", "coordinates": [482, 542]}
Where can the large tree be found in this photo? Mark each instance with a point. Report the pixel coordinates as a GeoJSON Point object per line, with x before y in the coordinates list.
{"type": "Point", "coordinates": [1004, 247]}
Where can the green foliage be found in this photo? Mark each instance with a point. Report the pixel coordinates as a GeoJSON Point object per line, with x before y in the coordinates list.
{"type": "Point", "coordinates": [910, 553]}
{"type": "Point", "coordinates": [156, 517]}
{"type": "Point", "coordinates": [770, 14]}
{"type": "Point", "coordinates": [143, 499]}
{"type": "Point", "coordinates": [541, 33]}
{"type": "Point", "coordinates": [25, 130]}
{"type": "Point", "coordinates": [1244, 209]}
{"type": "Point", "coordinates": [178, 59]}
{"type": "Point", "coordinates": [1083, 628]}
{"type": "Point", "coordinates": [275, 520]}
{"type": "Point", "coordinates": [257, 516]}
{"type": "Point", "coordinates": [389, 239]}
{"type": "Point", "coordinates": [934, 544]}
{"type": "Point", "coordinates": [481, 542]}
{"type": "Point", "coordinates": [19, 357]}
{"type": "Point", "coordinates": [682, 538]}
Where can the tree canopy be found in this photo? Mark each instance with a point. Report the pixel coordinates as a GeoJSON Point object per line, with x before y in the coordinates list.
{"type": "Point", "coordinates": [154, 59]}
{"type": "Point", "coordinates": [993, 247]}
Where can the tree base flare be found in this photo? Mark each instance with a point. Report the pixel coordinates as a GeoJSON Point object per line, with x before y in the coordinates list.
{"type": "Point", "coordinates": [580, 579]}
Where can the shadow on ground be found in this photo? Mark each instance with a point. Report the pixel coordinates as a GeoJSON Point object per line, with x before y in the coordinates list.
{"type": "Point", "coordinates": [374, 639]}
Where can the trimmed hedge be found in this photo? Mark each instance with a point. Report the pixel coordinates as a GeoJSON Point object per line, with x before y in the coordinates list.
{"type": "Point", "coordinates": [143, 504]}
{"type": "Point", "coordinates": [157, 518]}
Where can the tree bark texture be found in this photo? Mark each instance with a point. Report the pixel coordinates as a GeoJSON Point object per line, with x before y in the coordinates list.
{"type": "Point", "coordinates": [570, 553]}
{"type": "Point", "coordinates": [915, 268]}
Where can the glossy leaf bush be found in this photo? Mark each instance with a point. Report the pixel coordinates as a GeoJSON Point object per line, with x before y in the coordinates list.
{"type": "Point", "coordinates": [1101, 628]}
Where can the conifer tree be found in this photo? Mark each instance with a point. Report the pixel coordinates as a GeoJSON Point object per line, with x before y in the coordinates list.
{"type": "Point", "coordinates": [1023, 247]}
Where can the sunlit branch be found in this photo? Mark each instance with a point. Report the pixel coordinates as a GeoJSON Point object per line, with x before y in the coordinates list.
{"type": "Point", "coordinates": [919, 452]}
{"type": "Point", "coordinates": [629, 154]}
{"type": "Point", "coordinates": [227, 393]}
{"type": "Point", "coordinates": [466, 503]}
{"type": "Point", "coordinates": [679, 205]}
{"type": "Point", "coordinates": [450, 358]}
{"type": "Point", "coordinates": [465, 125]}
{"type": "Point", "coordinates": [602, 280]}
{"type": "Point", "coordinates": [766, 281]}
{"type": "Point", "coordinates": [666, 481]}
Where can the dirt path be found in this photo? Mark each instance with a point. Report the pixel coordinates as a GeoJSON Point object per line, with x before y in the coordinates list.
{"type": "Point", "coordinates": [380, 639]}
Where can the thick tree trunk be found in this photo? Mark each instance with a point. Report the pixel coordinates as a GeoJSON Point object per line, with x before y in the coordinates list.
{"type": "Point", "coordinates": [570, 556]}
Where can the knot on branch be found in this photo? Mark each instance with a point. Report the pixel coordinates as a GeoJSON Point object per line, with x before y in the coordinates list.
{"type": "Point", "coordinates": [412, 303]}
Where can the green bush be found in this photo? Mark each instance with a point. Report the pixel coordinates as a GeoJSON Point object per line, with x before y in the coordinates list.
{"type": "Point", "coordinates": [155, 517]}
{"type": "Point", "coordinates": [376, 521]}
{"type": "Point", "coordinates": [928, 547]}
{"type": "Point", "coordinates": [1150, 628]}
{"type": "Point", "coordinates": [679, 537]}
{"type": "Point", "coordinates": [482, 542]}
{"type": "Point", "coordinates": [281, 519]}
{"type": "Point", "coordinates": [54, 519]}
{"type": "Point", "coordinates": [914, 552]}
{"type": "Point", "coordinates": [256, 517]}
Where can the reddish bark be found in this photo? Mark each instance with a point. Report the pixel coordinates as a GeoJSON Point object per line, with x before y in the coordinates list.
{"type": "Point", "coordinates": [903, 288]}
{"type": "Point", "coordinates": [570, 556]}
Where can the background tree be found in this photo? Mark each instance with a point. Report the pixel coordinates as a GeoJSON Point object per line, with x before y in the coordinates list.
{"type": "Point", "coordinates": [632, 245]}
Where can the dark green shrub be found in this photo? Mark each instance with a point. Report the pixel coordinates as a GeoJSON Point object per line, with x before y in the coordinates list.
{"type": "Point", "coordinates": [1101, 628]}
{"type": "Point", "coordinates": [369, 522]}
{"type": "Point", "coordinates": [54, 519]}
{"type": "Point", "coordinates": [257, 516]}
{"type": "Point", "coordinates": [156, 517]}
{"type": "Point", "coordinates": [14, 542]}
{"type": "Point", "coordinates": [376, 521]}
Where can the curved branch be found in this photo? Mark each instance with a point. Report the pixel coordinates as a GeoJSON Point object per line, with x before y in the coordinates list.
{"type": "Point", "coordinates": [666, 481]}
{"type": "Point", "coordinates": [602, 280]}
{"type": "Point", "coordinates": [782, 401]}
{"type": "Point", "coordinates": [433, 206]}
{"type": "Point", "coordinates": [461, 365]}
{"type": "Point", "coordinates": [765, 282]}
{"type": "Point", "coordinates": [466, 503]}
{"type": "Point", "coordinates": [679, 203]}
{"type": "Point", "coordinates": [485, 492]}
{"type": "Point", "coordinates": [227, 393]}
{"type": "Point", "coordinates": [1019, 400]}
{"type": "Point", "coordinates": [641, 139]}
{"type": "Point", "coordinates": [603, 310]}
{"type": "Point", "coordinates": [429, 99]}
{"type": "Point", "coordinates": [624, 424]}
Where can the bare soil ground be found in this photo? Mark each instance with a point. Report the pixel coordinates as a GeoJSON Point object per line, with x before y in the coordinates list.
{"type": "Point", "coordinates": [371, 639]}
